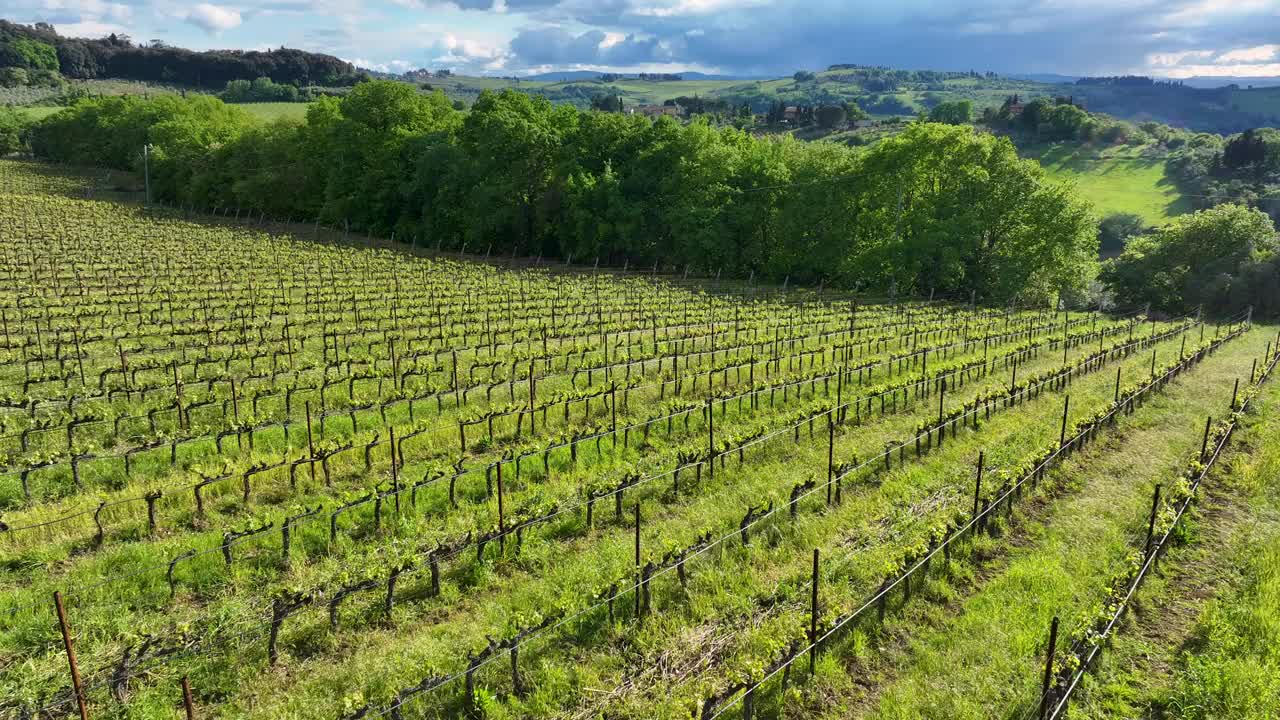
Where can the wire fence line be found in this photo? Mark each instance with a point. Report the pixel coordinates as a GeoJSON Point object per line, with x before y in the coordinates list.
{"type": "Point", "coordinates": [967, 528]}
{"type": "Point", "coordinates": [1062, 695]}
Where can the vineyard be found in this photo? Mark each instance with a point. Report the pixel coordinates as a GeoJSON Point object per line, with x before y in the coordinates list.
{"type": "Point", "coordinates": [266, 470]}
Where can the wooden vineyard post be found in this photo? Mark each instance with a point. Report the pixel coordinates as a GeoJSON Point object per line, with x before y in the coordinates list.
{"type": "Point", "coordinates": [1066, 406]}
{"type": "Point", "coordinates": [395, 468]}
{"type": "Point", "coordinates": [533, 394]}
{"type": "Point", "coordinates": [311, 444]}
{"type": "Point", "coordinates": [1153, 364]}
{"type": "Point", "coordinates": [1117, 397]}
{"type": "Point", "coordinates": [639, 577]}
{"type": "Point", "coordinates": [942, 429]}
{"type": "Point", "coordinates": [71, 654]}
{"type": "Point", "coordinates": [1151, 525]}
{"type": "Point", "coordinates": [502, 521]}
{"type": "Point", "coordinates": [1235, 394]}
{"type": "Point", "coordinates": [187, 703]}
{"type": "Point", "coordinates": [977, 486]}
{"type": "Point", "coordinates": [177, 395]}
{"type": "Point", "coordinates": [1048, 668]}
{"type": "Point", "coordinates": [1204, 444]}
{"type": "Point", "coordinates": [840, 393]}
{"type": "Point", "coordinates": [711, 438]}
{"type": "Point", "coordinates": [813, 619]}
{"type": "Point", "coordinates": [831, 462]}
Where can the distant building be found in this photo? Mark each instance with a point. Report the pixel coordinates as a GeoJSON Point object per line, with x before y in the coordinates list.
{"type": "Point", "coordinates": [1016, 107]}
{"type": "Point", "coordinates": [791, 113]}
{"type": "Point", "coordinates": [863, 123]}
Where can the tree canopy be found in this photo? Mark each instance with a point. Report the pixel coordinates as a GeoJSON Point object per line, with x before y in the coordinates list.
{"type": "Point", "coordinates": [936, 207]}
{"type": "Point", "coordinates": [1223, 258]}
{"type": "Point", "coordinates": [116, 56]}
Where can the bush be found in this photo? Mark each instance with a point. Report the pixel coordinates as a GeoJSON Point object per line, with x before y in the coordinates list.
{"type": "Point", "coordinates": [261, 90]}
{"type": "Point", "coordinates": [14, 77]}
{"type": "Point", "coordinates": [1213, 258]}
{"type": "Point", "coordinates": [1115, 230]}
{"type": "Point", "coordinates": [13, 126]}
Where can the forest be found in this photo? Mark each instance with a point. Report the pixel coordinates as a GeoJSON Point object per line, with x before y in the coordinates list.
{"type": "Point", "coordinates": [937, 208]}
{"type": "Point", "coordinates": [40, 48]}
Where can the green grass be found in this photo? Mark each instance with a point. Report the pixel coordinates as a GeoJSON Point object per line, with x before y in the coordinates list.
{"type": "Point", "coordinates": [1204, 641]}
{"type": "Point", "coordinates": [985, 661]}
{"type": "Point", "coordinates": [270, 111]}
{"type": "Point", "coordinates": [743, 602]}
{"type": "Point", "coordinates": [1118, 179]}
{"type": "Point", "coordinates": [38, 113]}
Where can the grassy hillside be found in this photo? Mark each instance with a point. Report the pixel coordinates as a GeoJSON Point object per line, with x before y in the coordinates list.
{"type": "Point", "coordinates": [1115, 179]}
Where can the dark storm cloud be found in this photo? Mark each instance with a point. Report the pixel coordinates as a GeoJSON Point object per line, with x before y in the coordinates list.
{"type": "Point", "coordinates": [554, 46]}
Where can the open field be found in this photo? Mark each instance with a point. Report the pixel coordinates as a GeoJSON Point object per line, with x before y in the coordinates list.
{"type": "Point", "coordinates": [276, 110]}
{"type": "Point", "coordinates": [39, 112]}
{"type": "Point", "coordinates": [1116, 179]}
{"type": "Point", "coordinates": [330, 479]}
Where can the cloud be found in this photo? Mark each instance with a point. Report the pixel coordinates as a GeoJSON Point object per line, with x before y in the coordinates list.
{"type": "Point", "coordinates": [1169, 59]}
{"type": "Point", "coordinates": [554, 46]}
{"type": "Point", "coordinates": [1261, 53]}
{"type": "Point", "coordinates": [766, 37]}
{"type": "Point", "coordinates": [391, 66]}
{"type": "Point", "coordinates": [1216, 70]}
{"type": "Point", "coordinates": [95, 9]}
{"type": "Point", "coordinates": [214, 18]}
{"type": "Point", "coordinates": [90, 29]}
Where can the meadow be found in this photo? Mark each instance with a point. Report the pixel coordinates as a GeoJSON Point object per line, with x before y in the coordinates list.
{"type": "Point", "coordinates": [1115, 179]}
{"type": "Point", "coordinates": [312, 475]}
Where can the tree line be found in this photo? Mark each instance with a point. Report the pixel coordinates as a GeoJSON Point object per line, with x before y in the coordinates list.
{"type": "Point", "coordinates": [936, 207]}
{"type": "Point", "coordinates": [40, 47]}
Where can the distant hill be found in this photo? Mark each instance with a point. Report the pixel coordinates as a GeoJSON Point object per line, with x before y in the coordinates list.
{"type": "Point", "coordinates": [1204, 104]}
{"type": "Point", "coordinates": [1049, 78]}
{"type": "Point", "coordinates": [1244, 82]}
{"type": "Point", "coordinates": [573, 75]}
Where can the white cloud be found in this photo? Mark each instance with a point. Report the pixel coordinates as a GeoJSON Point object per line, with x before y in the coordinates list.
{"type": "Point", "coordinates": [89, 9]}
{"type": "Point", "coordinates": [681, 8]}
{"type": "Point", "coordinates": [391, 66]}
{"type": "Point", "coordinates": [90, 29]}
{"type": "Point", "coordinates": [455, 49]}
{"type": "Point", "coordinates": [1244, 70]}
{"type": "Point", "coordinates": [214, 18]}
{"type": "Point", "coordinates": [1259, 54]}
{"type": "Point", "coordinates": [1170, 59]}
{"type": "Point", "coordinates": [1206, 12]}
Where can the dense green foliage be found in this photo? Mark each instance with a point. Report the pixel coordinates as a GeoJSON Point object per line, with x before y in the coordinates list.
{"type": "Point", "coordinates": [1223, 258]}
{"type": "Point", "coordinates": [13, 126]}
{"type": "Point", "coordinates": [937, 207]}
{"type": "Point", "coordinates": [40, 47]}
{"type": "Point", "coordinates": [30, 54]}
{"type": "Point", "coordinates": [262, 90]}
{"type": "Point", "coordinates": [1241, 168]}
{"type": "Point", "coordinates": [1115, 230]}
{"type": "Point", "coordinates": [957, 112]}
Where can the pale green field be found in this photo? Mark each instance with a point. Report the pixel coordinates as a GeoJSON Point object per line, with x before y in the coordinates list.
{"type": "Point", "coordinates": [38, 113]}
{"type": "Point", "coordinates": [276, 110]}
{"type": "Point", "coordinates": [1115, 179]}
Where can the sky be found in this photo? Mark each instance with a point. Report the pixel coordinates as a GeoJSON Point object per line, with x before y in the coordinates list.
{"type": "Point", "coordinates": [1167, 38]}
